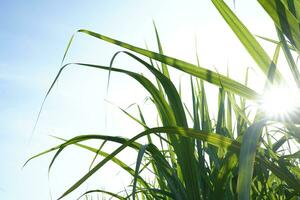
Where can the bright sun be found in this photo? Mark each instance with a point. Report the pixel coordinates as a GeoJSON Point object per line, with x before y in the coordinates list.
{"type": "Point", "coordinates": [280, 102]}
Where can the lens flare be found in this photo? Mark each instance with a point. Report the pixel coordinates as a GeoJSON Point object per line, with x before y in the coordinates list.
{"type": "Point", "coordinates": [280, 102]}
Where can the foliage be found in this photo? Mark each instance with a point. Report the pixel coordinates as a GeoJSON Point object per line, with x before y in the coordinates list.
{"type": "Point", "coordinates": [232, 157]}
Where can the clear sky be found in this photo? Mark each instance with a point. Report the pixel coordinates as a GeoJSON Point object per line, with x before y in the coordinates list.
{"type": "Point", "coordinates": [33, 37]}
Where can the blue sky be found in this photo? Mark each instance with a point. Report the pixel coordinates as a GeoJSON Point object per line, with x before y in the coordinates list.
{"type": "Point", "coordinates": [33, 37]}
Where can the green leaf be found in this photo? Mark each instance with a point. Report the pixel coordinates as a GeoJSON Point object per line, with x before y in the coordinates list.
{"type": "Point", "coordinates": [205, 74]}
{"type": "Point", "coordinates": [247, 39]}
{"type": "Point", "coordinates": [137, 168]}
{"type": "Point", "coordinates": [247, 158]}
{"type": "Point", "coordinates": [284, 20]}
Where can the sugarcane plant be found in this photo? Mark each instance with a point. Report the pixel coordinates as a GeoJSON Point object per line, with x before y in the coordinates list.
{"type": "Point", "coordinates": [236, 155]}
